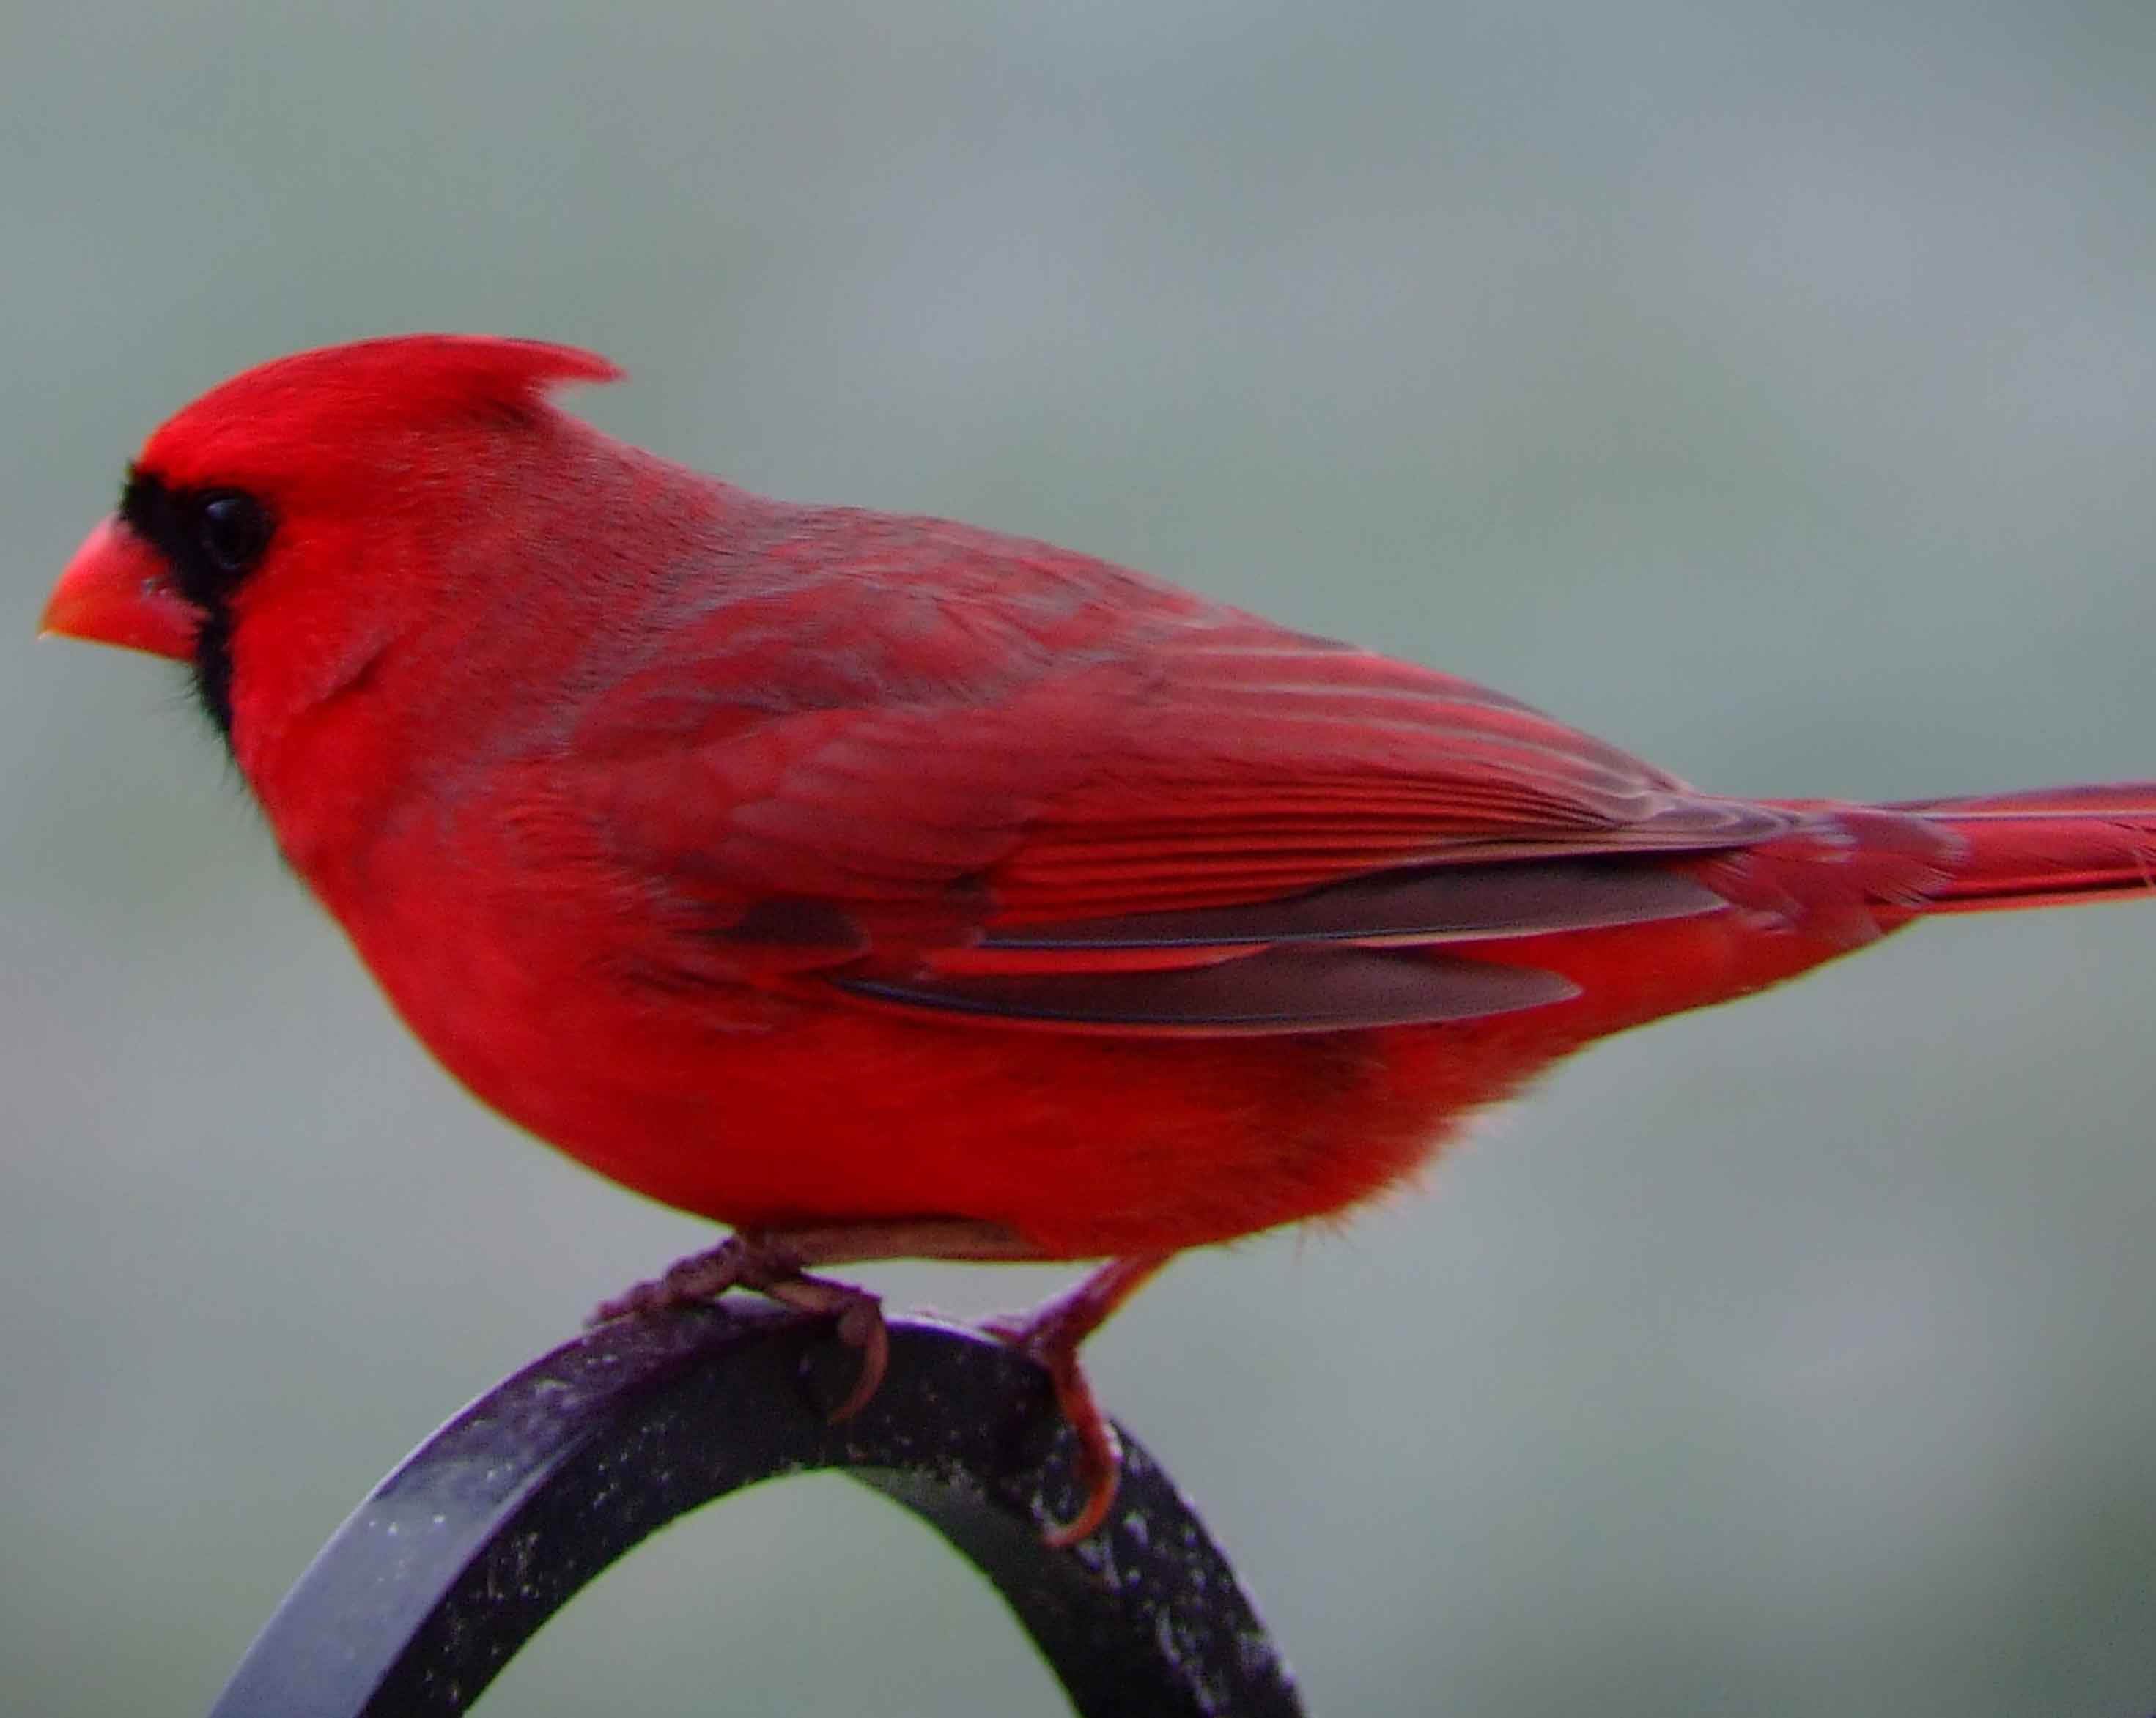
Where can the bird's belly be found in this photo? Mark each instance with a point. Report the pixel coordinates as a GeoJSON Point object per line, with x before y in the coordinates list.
{"type": "Point", "coordinates": [770, 1111]}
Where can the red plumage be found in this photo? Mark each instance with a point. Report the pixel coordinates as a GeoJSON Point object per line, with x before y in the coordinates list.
{"type": "Point", "coordinates": [828, 873]}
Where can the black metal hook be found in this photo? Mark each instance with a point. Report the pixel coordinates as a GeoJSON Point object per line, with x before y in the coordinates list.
{"type": "Point", "coordinates": [499, 1519]}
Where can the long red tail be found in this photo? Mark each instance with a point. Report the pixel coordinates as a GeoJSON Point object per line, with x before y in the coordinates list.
{"type": "Point", "coordinates": [2050, 846]}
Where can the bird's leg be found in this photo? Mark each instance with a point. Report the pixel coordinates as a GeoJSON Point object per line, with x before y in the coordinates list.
{"type": "Point", "coordinates": [776, 1262]}
{"type": "Point", "coordinates": [1050, 1335]}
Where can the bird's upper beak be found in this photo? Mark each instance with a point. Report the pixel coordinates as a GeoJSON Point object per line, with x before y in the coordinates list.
{"type": "Point", "coordinates": [117, 590]}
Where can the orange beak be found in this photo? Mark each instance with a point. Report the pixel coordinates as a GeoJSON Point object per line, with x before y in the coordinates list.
{"type": "Point", "coordinates": [116, 590]}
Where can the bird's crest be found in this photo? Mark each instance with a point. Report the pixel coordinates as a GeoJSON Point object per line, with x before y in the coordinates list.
{"type": "Point", "coordinates": [316, 404]}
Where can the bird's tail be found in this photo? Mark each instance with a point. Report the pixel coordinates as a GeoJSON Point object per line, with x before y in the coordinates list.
{"type": "Point", "coordinates": [2050, 846]}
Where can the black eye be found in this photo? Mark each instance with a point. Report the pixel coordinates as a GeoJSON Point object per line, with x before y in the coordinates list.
{"type": "Point", "coordinates": [232, 528]}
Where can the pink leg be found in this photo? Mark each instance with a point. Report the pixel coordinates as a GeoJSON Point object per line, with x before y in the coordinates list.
{"type": "Point", "coordinates": [1050, 1334]}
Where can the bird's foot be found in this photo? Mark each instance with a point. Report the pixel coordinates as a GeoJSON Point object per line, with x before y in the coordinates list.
{"type": "Point", "coordinates": [1049, 1335]}
{"type": "Point", "coordinates": [767, 1266]}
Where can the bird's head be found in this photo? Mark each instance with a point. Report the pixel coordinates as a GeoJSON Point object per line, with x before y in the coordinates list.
{"type": "Point", "coordinates": [320, 487]}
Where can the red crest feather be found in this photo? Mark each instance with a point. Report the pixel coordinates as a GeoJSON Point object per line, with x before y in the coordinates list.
{"type": "Point", "coordinates": [340, 398]}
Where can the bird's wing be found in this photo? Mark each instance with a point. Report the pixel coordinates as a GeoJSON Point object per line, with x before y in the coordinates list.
{"type": "Point", "coordinates": [1231, 829]}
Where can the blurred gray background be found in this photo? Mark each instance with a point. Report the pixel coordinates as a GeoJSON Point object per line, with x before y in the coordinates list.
{"type": "Point", "coordinates": [1770, 389]}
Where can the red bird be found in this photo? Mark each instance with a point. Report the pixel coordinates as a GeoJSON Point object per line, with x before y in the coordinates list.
{"type": "Point", "coordinates": [881, 886]}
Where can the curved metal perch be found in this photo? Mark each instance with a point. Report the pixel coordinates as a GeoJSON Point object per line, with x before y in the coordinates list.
{"type": "Point", "coordinates": [497, 1521]}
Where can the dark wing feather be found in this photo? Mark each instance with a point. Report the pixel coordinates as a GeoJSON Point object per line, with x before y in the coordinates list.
{"type": "Point", "coordinates": [1274, 991]}
{"type": "Point", "coordinates": [1424, 908]}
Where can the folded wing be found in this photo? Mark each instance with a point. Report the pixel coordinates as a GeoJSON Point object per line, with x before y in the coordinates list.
{"type": "Point", "coordinates": [1227, 829]}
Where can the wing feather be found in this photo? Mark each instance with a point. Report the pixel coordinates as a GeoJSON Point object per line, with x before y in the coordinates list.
{"type": "Point", "coordinates": [1278, 991]}
{"type": "Point", "coordinates": [1179, 820]}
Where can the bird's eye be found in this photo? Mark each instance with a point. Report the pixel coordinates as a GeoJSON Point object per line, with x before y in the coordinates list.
{"type": "Point", "coordinates": [232, 529]}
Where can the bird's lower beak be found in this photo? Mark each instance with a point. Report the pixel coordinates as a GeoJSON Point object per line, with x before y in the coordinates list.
{"type": "Point", "coordinates": [117, 590]}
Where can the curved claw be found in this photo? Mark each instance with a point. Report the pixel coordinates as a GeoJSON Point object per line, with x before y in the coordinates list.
{"type": "Point", "coordinates": [862, 1326]}
{"type": "Point", "coordinates": [858, 1315]}
{"type": "Point", "coordinates": [1100, 1457]}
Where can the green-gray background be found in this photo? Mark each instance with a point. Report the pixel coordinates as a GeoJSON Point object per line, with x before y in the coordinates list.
{"type": "Point", "coordinates": [1767, 388]}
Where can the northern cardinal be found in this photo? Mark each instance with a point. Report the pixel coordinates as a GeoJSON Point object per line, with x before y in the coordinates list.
{"type": "Point", "coordinates": [881, 886]}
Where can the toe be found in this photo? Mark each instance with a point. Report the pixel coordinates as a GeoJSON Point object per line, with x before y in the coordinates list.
{"type": "Point", "coordinates": [861, 1327]}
